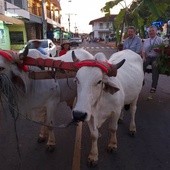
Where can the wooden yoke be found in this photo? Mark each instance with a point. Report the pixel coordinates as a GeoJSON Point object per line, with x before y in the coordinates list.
{"type": "Point", "coordinates": [59, 69]}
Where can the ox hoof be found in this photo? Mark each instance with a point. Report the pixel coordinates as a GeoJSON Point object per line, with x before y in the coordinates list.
{"type": "Point", "coordinates": [91, 163]}
{"type": "Point", "coordinates": [41, 140]}
{"type": "Point", "coordinates": [50, 148]}
{"type": "Point", "coordinates": [111, 149]}
{"type": "Point", "coordinates": [132, 133]}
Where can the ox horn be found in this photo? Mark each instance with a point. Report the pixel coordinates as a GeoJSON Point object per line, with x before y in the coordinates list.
{"type": "Point", "coordinates": [113, 69]}
{"type": "Point", "coordinates": [24, 54]}
{"type": "Point", "coordinates": [74, 58]}
{"type": "Point", "coordinates": [118, 65]}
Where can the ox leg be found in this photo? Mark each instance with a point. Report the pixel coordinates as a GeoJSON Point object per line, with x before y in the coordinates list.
{"type": "Point", "coordinates": [50, 117]}
{"type": "Point", "coordinates": [51, 140]}
{"type": "Point", "coordinates": [43, 135]}
{"type": "Point", "coordinates": [121, 117]}
{"type": "Point", "coordinates": [93, 156]}
{"type": "Point", "coordinates": [112, 146]}
{"type": "Point", "coordinates": [132, 127]}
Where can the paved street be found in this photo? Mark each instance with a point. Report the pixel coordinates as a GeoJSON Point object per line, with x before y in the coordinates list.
{"type": "Point", "coordinates": [149, 150]}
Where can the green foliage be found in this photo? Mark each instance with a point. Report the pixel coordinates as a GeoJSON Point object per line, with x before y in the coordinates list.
{"type": "Point", "coordinates": [141, 13]}
{"type": "Point", "coordinates": [110, 5]}
{"type": "Point", "coordinates": [163, 59]}
{"type": "Point", "coordinates": [118, 24]}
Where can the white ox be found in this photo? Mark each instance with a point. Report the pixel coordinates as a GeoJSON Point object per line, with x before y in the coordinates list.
{"type": "Point", "coordinates": [100, 96]}
{"type": "Point", "coordinates": [39, 97]}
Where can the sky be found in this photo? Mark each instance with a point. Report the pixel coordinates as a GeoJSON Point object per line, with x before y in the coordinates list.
{"type": "Point", "coordinates": [82, 12]}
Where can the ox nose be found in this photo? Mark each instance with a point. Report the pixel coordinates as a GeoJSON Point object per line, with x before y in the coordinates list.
{"type": "Point", "coordinates": [79, 116]}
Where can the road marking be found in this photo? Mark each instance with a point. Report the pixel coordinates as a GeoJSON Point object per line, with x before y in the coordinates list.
{"type": "Point", "coordinates": [77, 148]}
{"type": "Point", "coordinates": [95, 47]}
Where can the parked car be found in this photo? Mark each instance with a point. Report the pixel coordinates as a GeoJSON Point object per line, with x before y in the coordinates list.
{"type": "Point", "coordinates": [75, 41]}
{"type": "Point", "coordinates": [47, 44]}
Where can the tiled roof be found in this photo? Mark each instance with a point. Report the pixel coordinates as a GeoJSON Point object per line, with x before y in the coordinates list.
{"type": "Point", "coordinates": [103, 19]}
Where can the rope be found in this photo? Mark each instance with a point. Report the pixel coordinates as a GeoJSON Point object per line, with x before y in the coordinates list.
{"type": "Point", "coordinates": [6, 88]}
{"type": "Point", "coordinates": [7, 91]}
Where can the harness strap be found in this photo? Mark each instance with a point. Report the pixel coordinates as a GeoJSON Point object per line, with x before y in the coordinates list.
{"type": "Point", "coordinates": [106, 67]}
{"type": "Point", "coordinates": [6, 55]}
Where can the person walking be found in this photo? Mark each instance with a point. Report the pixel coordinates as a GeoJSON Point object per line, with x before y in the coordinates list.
{"type": "Point", "coordinates": [132, 42]}
{"type": "Point", "coordinates": [65, 46]}
{"type": "Point", "coordinates": [150, 56]}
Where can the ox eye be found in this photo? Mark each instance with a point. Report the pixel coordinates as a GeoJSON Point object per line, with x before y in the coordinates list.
{"type": "Point", "coordinates": [1, 68]}
{"type": "Point", "coordinates": [99, 82]}
{"type": "Point", "coordinates": [76, 80]}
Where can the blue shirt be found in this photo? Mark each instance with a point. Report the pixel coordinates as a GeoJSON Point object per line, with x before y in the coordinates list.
{"type": "Point", "coordinates": [40, 49]}
{"type": "Point", "coordinates": [134, 44]}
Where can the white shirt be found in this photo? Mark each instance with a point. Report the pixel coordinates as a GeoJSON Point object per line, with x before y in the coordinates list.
{"type": "Point", "coordinates": [150, 44]}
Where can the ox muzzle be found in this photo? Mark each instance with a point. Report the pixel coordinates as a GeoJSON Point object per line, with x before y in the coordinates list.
{"type": "Point", "coordinates": [79, 116]}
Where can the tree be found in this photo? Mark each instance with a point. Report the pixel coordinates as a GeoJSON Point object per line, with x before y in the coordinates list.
{"type": "Point", "coordinates": [120, 19]}
{"type": "Point", "coordinates": [140, 13]}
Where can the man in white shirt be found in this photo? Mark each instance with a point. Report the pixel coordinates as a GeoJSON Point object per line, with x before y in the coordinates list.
{"type": "Point", "coordinates": [150, 56]}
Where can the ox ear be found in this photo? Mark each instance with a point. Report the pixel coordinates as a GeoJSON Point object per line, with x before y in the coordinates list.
{"type": "Point", "coordinates": [18, 82]}
{"type": "Point", "coordinates": [110, 86]}
{"type": "Point", "coordinates": [25, 53]}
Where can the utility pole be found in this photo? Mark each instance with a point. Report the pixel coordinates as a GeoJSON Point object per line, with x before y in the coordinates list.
{"type": "Point", "coordinates": [69, 22]}
{"type": "Point", "coordinates": [44, 20]}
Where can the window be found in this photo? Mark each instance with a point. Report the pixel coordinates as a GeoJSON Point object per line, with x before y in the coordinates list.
{"type": "Point", "coordinates": [43, 44]}
{"type": "Point", "coordinates": [101, 25]}
{"type": "Point", "coordinates": [2, 36]}
{"type": "Point", "coordinates": [16, 37]}
{"type": "Point", "coordinates": [107, 25]}
{"type": "Point", "coordinates": [18, 3]}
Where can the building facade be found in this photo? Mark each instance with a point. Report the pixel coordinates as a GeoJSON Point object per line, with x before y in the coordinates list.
{"type": "Point", "coordinates": [22, 20]}
{"type": "Point", "coordinates": [102, 28]}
